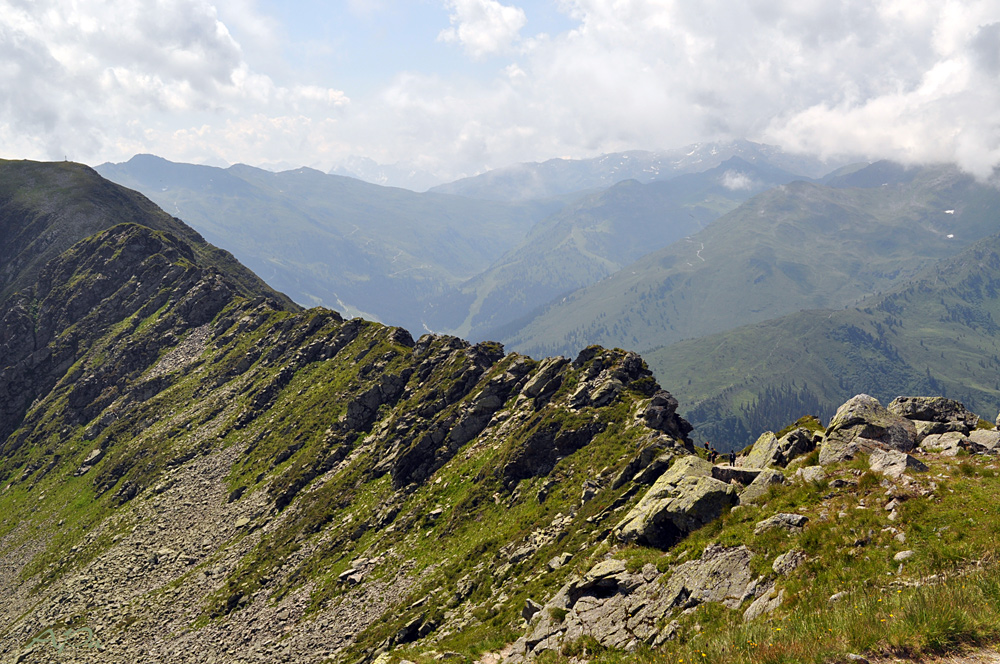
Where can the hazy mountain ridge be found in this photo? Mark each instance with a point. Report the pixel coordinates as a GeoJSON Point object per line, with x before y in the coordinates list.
{"type": "Point", "coordinates": [798, 246]}
{"type": "Point", "coordinates": [598, 235]}
{"type": "Point", "coordinates": [561, 176]}
{"type": "Point", "coordinates": [337, 241]}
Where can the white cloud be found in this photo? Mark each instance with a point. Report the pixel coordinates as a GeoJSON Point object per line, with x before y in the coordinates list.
{"type": "Point", "coordinates": [736, 181]}
{"type": "Point", "coordinates": [77, 75]}
{"type": "Point", "coordinates": [483, 27]}
{"type": "Point", "coordinates": [907, 79]}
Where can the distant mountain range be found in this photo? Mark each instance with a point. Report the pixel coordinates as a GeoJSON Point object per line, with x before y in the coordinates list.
{"type": "Point", "coordinates": [596, 236]}
{"type": "Point", "coordinates": [561, 176]}
{"type": "Point", "coordinates": [336, 241]}
{"type": "Point", "coordinates": [937, 333]}
{"type": "Point", "coordinates": [797, 246]}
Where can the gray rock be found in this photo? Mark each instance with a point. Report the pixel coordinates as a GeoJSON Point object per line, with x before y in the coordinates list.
{"type": "Point", "coordinates": [783, 520]}
{"type": "Point", "coordinates": [758, 488]}
{"type": "Point", "coordinates": [788, 562]}
{"type": "Point", "coordinates": [893, 464]}
{"type": "Point", "coordinates": [861, 426]}
{"type": "Point", "coordinates": [683, 499]}
{"type": "Point", "coordinates": [837, 597]}
{"type": "Point", "coordinates": [903, 555]}
{"type": "Point", "coordinates": [766, 603]}
{"type": "Point", "coordinates": [763, 453]}
{"type": "Point", "coordinates": [984, 441]}
{"type": "Point", "coordinates": [727, 474]}
{"type": "Point", "coordinates": [948, 443]}
{"type": "Point", "coordinates": [531, 607]}
{"type": "Point", "coordinates": [810, 474]}
{"type": "Point", "coordinates": [721, 575]}
{"type": "Point", "coordinates": [772, 451]}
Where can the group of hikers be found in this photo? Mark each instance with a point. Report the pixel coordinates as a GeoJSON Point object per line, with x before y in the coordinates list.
{"type": "Point", "coordinates": [713, 456]}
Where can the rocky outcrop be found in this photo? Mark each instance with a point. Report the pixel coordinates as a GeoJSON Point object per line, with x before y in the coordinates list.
{"type": "Point", "coordinates": [863, 425]}
{"type": "Point", "coordinates": [769, 450]}
{"type": "Point", "coordinates": [934, 415]}
{"type": "Point", "coordinates": [684, 498]}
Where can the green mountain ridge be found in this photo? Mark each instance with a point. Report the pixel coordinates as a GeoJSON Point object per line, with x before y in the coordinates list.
{"type": "Point", "coordinates": [797, 246]}
{"type": "Point", "coordinates": [36, 225]}
{"type": "Point", "coordinates": [935, 334]}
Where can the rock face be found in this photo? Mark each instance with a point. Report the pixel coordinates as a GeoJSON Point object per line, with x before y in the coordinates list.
{"type": "Point", "coordinates": [684, 498]}
{"type": "Point", "coordinates": [862, 425]}
{"type": "Point", "coordinates": [622, 609]}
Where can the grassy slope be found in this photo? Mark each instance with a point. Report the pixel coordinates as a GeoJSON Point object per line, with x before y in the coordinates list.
{"type": "Point", "coordinates": [944, 598]}
{"type": "Point", "coordinates": [935, 335]}
{"type": "Point", "coordinates": [802, 246]}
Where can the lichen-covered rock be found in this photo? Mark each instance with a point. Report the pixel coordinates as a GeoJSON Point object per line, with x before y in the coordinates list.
{"type": "Point", "coordinates": [788, 562]}
{"type": "Point", "coordinates": [622, 609]}
{"type": "Point", "coordinates": [684, 498]}
{"type": "Point", "coordinates": [764, 604]}
{"type": "Point", "coordinates": [763, 453]}
{"type": "Point", "coordinates": [863, 425]}
{"type": "Point", "coordinates": [790, 522]}
{"type": "Point", "coordinates": [934, 415]}
{"type": "Point", "coordinates": [810, 474]}
{"type": "Point", "coordinates": [758, 488]}
{"type": "Point", "coordinates": [769, 450]}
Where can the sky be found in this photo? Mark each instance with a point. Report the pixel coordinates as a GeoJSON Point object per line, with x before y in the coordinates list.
{"type": "Point", "coordinates": [456, 87]}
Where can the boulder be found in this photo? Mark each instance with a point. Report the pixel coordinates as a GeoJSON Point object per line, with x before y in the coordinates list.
{"type": "Point", "coordinates": [947, 444]}
{"type": "Point", "coordinates": [934, 415]}
{"type": "Point", "coordinates": [861, 426]}
{"type": "Point", "coordinates": [893, 464]}
{"type": "Point", "coordinates": [623, 610]}
{"type": "Point", "coordinates": [810, 474]}
{"type": "Point", "coordinates": [790, 522]}
{"type": "Point", "coordinates": [788, 562]}
{"type": "Point", "coordinates": [756, 490]}
{"type": "Point", "coordinates": [683, 499]}
{"type": "Point", "coordinates": [721, 575]}
{"type": "Point", "coordinates": [764, 604]}
{"type": "Point", "coordinates": [763, 453]}
{"type": "Point", "coordinates": [984, 441]}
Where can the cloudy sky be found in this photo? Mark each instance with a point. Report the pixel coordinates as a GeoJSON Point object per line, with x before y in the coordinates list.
{"type": "Point", "coordinates": [458, 86]}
